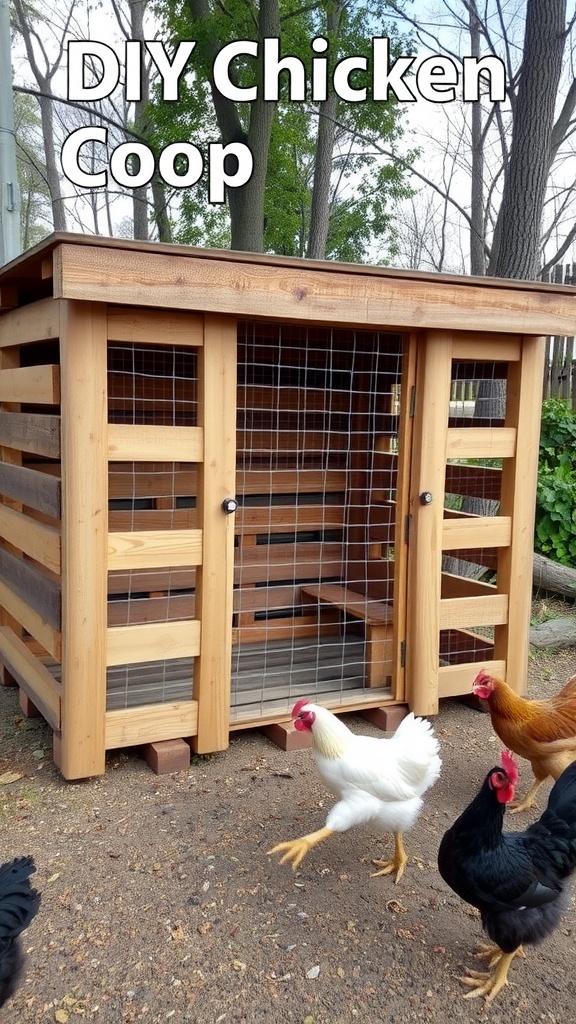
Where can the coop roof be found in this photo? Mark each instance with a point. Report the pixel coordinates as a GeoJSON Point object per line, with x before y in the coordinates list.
{"type": "Point", "coordinates": [252, 285]}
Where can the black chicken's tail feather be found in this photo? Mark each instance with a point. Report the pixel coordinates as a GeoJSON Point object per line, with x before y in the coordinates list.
{"type": "Point", "coordinates": [19, 902]}
{"type": "Point", "coordinates": [556, 829]}
{"type": "Point", "coordinates": [11, 964]}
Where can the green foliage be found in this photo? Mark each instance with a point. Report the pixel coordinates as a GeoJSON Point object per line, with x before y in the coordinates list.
{"type": "Point", "coordinates": [555, 535]}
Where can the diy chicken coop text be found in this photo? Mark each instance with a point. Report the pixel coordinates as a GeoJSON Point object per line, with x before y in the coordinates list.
{"type": "Point", "coordinates": [95, 71]}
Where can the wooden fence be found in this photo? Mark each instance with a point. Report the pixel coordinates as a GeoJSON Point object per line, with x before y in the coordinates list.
{"type": "Point", "coordinates": [560, 365]}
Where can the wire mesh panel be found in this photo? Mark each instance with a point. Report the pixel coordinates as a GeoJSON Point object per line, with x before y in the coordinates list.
{"type": "Point", "coordinates": [317, 441]}
{"type": "Point", "coordinates": [477, 443]}
{"type": "Point", "coordinates": [157, 387]}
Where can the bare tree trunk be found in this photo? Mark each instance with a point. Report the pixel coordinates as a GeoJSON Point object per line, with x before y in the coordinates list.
{"type": "Point", "coordinates": [320, 208]}
{"type": "Point", "coordinates": [477, 251]}
{"type": "Point", "coordinates": [520, 216]}
{"type": "Point", "coordinates": [140, 195]}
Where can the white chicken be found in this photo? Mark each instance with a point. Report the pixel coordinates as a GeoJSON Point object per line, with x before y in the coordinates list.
{"type": "Point", "coordinates": [379, 781]}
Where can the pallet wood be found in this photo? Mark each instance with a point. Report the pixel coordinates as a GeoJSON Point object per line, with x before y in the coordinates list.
{"type": "Point", "coordinates": [152, 641]}
{"type": "Point", "coordinates": [38, 490]}
{"type": "Point", "coordinates": [31, 432]}
{"type": "Point", "coordinates": [145, 442]}
{"type": "Point", "coordinates": [84, 539]}
{"type": "Point", "coordinates": [38, 540]}
{"type": "Point", "coordinates": [32, 585]}
{"type": "Point", "coordinates": [37, 385]}
{"type": "Point", "coordinates": [31, 675]}
{"type": "Point", "coordinates": [38, 321]}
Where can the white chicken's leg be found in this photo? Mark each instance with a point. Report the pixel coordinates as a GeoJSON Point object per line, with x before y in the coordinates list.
{"type": "Point", "coordinates": [398, 862]}
{"type": "Point", "coordinates": [296, 849]}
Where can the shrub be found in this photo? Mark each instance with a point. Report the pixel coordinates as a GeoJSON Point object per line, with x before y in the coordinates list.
{"type": "Point", "coordinates": [555, 534]}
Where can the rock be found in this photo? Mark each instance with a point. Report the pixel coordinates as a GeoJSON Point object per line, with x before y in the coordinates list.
{"type": "Point", "coordinates": [554, 633]}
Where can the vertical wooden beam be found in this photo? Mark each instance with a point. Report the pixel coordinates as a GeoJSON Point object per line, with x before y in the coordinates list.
{"type": "Point", "coordinates": [425, 552]}
{"type": "Point", "coordinates": [80, 747]}
{"type": "Point", "coordinates": [518, 500]}
{"type": "Point", "coordinates": [216, 481]}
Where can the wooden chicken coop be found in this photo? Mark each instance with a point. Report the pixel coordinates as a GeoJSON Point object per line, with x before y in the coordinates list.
{"type": "Point", "coordinates": [229, 481]}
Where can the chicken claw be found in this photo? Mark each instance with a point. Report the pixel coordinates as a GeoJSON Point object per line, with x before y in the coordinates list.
{"type": "Point", "coordinates": [489, 983]}
{"type": "Point", "coordinates": [397, 864]}
{"type": "Point", "coordinates": [296, 849]}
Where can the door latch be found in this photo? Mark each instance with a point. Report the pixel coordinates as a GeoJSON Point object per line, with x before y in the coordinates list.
{"type": "Point", "coordinates": [426, 498]}
{"type": "Point", "coordinates": [229, 505]}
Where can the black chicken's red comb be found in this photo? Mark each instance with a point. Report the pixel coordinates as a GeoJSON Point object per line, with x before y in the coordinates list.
{"type": "Point", "coordinates": [509, 765]}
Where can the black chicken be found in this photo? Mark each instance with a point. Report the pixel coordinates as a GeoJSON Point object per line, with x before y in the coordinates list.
{"type": "Point", "coordinates": [513, 878]}
{"type": "Point", "coordinates": [19, 903]}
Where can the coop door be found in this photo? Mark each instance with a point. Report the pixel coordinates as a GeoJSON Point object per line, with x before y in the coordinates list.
{"type": "Point", "coordinates": [472, 505]}
{"type": "Point", "coordinates": [316, 557]}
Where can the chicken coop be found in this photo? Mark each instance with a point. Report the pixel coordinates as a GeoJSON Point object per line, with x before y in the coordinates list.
{"type": "Point", "coordinates": [229, 481]}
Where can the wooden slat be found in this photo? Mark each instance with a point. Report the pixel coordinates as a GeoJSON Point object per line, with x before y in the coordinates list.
{"type": "Point", "coordinates": [39, 541]}
{"type": "Point", "coordinates": [150, 609]}
{"type": "Point", "coordinates": [280, 518]}
{"type": "Point", "coordinates": [155, 327]}
{"type": "Point", "coordinates": [38, 321]}
{"type": "Point", "coordinates": [146, 480]}
{"type": "Point", "coordinates": [216, 481]}
{"type": "Point", "coordinates": [456, 680]}
{"type": "Point", "coordinates": [80, 748]}
{"type": "Point", "coordinates": [371, 612]}
{"type": "Point", "coordinates": [298, 291]}
{"type": "Point", "coordinates": [481, 442]}
{"type": "Point", "coordinates": [31, 432]}
{"type": "Point", "coordinates": [37, 385]}
{"type": "Point", "coordinates": [131, 727]}
{"type": "Point", "coordinates": [123, 520]}
{"type": "Point", "coordinates": [33, 585]}
{"type": "Point", "coordinates": [289, 561]}
{"type": "Point", "coordinates": [34, 678]}
{"type": "Point", "coordinates": [32, 621]}
{"type": "Point", "coordinates": [144, 443]}
{"type": "Point", "coordinates": [476, 532]}
{"type": "Point", "coordinates": [487, 349]}
{"type": "Point", "coordinates": [152, 641]}
{"type": "Point", "coordinates": [41, 491]}
{"type": "Point", "coordinates": [149, 549]}
{"type": "Point", "coordinates": [434, 374]}
{"type": "Point", "coordinates": [460, 612]}
{"type": "Point", "coordinates": [146, 581]}
{"type": "Point", "coordinates": [464, 586]}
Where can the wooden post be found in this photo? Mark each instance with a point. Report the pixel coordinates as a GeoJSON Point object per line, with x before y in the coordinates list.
{"type": "Point", "coordinates": [518, 500]}
{"type": "Point", "coordinates": [214, 578]}
{"type": "Point", "coordinates": [425, 550]}
{"type": "Point", "coordinates": [80, 748]}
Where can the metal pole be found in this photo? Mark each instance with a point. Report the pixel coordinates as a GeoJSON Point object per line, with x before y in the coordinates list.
{"type": "Point", "coordinates": [9, 190]}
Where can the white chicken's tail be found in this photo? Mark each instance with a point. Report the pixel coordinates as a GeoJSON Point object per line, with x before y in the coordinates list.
{"type": "Point", "coordinates": [418, 751]}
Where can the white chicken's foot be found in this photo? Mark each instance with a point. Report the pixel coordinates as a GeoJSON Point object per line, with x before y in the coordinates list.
{"type": "Point", "coordinates": [398, 862]}
{"type": "Point", "coordinates": [296, 849]}
{"type": "Point", "coordinates": [489, 983]}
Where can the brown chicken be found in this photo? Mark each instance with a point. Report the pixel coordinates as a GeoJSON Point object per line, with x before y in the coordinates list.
{"type": "Point", "coordinates": [542, 731]}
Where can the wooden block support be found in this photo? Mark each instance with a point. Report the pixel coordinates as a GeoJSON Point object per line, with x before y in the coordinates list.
{"type": "Point", "coordinates": [285, 736]}
{"type": "Point", "coordinates": [387, 718]}
{"type": "Point", "coordinates": [27, 707]}
{"type": "Point", "coordinates": [167, 756]}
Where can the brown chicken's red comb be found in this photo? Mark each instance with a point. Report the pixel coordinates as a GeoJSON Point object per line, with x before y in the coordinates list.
{"type": "Point", "coordinates": [509, 765]}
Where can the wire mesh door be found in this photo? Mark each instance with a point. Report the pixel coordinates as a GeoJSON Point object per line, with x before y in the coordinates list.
{"type": "Point", "coordinates": [317, 450]}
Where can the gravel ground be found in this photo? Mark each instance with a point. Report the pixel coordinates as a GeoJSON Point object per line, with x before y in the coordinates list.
{"type": "Point", "coordinates": [160, 904]}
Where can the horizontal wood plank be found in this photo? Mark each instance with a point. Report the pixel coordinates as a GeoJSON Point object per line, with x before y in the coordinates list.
{"type": "Point", "coordinates": [371, 612]}
{"type": "Point", "coordinates": [151, 723]}
{"type": "Point", "coordinates": [297, 291]}
{"type": "Point", "coordinates": [163, 609]}
{"type": "Point", "coordinates": [481, 442]}
{"type": "Point", "coordinates": [460, 612]}
{"type": "Point", "coordinates": [487, 349]}
{"type": "Point", "coordinates": [464, 586]}
{"type": "Point", "coordinates": [38, 540]}
{"type": "Point", "coordinates": [34, 385]}
{"type": "Point", "coordinates": [38, 683]}
{"type": "Point", "coordinates": [155, 327]}
{"type": "Point", "coordinates": [33, 585]}
{"type": "Point", "coordinates": [33, 488]}
{"type": "Point", "coordinates": [31, 432]}
{"type": "Point", "coordinates": [144, 443]}
{"type": "Point", "coordinates": [33, 623]}
{"type": "Point", "coordinates": [152, 549]}
{"type": "Point", "coordinates": [476, 532]}
{"type": "Point", "coordinates": [38, 321]}
{"type": "Point", "coordinates": [152, 641]}
{"type": "Point", "coordinates": [456, 680]}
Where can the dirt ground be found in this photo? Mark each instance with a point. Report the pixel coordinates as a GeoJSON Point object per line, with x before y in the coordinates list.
{"type": "Point", "coordinates": [159, 902]}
